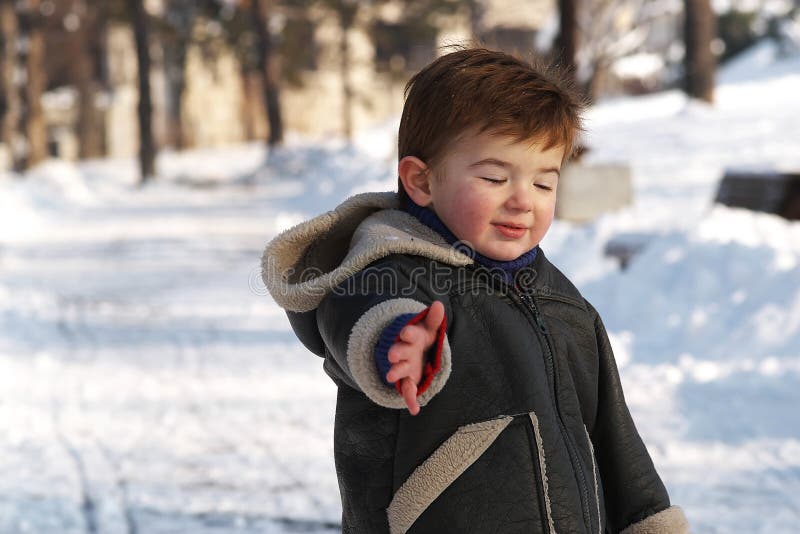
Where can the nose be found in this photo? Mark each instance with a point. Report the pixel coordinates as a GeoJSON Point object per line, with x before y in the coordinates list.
{"type": "Point", "coordinates": [520, 198]}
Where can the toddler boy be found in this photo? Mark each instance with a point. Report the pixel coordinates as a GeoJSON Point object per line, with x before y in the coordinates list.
{"type": "Point", "coordinates": [477, 390]}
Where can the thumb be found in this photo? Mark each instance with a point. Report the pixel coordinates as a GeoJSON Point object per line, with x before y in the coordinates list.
{"type": "Point", "coordinates": [435, 316]}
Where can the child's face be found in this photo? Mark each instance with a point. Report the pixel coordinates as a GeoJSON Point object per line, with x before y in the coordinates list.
{"type": "Point", "coordinates": [495, 194]}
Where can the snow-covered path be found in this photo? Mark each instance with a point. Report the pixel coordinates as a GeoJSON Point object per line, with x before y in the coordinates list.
{"type": "Point", "coordinates": [147, 385]}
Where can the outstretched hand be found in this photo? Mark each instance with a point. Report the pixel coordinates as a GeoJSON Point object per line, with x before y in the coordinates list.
{"type": "Point", "coordinates": [407, 354]}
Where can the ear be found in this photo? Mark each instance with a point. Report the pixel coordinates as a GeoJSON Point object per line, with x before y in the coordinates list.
{"type": "Point", "coordinates": [415, 176]}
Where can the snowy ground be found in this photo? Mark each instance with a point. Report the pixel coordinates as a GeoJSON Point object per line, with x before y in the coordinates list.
{"type": "Point", "coordinates": [148, 385]}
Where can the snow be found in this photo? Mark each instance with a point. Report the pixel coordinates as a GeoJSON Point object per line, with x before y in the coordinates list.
{"type": "Point", "coordinates": [638, 65]}
{"type": "Point", "coordinates": [147, 384]}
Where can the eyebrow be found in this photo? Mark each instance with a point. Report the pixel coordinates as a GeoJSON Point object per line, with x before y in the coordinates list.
{"type": "Point", "coordinates": [507, 165]}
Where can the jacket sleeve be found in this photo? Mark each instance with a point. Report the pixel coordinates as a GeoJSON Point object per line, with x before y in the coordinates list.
{"type": "Point", "coordinates": [352, 318]}
{"type": "Point", "coordinates": [635, 497]}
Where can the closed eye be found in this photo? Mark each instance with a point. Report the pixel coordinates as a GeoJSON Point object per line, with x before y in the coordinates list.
{"type": "Point", "coordinates": [545, 187]}
{"type": "Point", "coordinates": [493, 180]}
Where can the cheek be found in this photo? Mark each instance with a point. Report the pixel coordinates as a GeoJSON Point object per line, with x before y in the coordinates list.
{"type": "Point", "coordinates": [545, 213]}
{"type": "Point", "coordinates": [466, 214]}
{"type": "Point", "coordinates": [473, 209]}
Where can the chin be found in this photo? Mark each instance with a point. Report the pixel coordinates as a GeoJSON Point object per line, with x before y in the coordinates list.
{"type": "Point", "coordinates": [503, 255]}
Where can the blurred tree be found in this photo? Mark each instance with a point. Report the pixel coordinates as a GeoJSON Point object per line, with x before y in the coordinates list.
{"type": "Point", "coordinates": [566, 45]}
{"type": "Point", "coordinates": [403, 47]}
{"type": "Point", "coordinates": [415, 12]}
{"type": "Point", "coordinates": [10, 103]}
{"type": "Point", "coordinates": [346, 11]}
{"type": "Point", "coordinates": [265, 58]}
{"type": "Point", "coordinates": [743, 25]}
{"type": "Point", "coordinates": [181, 28]}
{"type": "Point", "coordinates": [280, 56]}
{"type": "Point", "coordinates": [239, 33]}
{"type": "Point", "coordinates": [737, 29]}
{"type": "Point", "coordinates": [296, 46]}
{"type": "Point", "coordinates": [269, 67]}
{"type": "Point", "coordinates": [476, 12]}
{"type": "Point", "coordinates": [176, 37]}
{"type": "Point", "coordinates": [35, 130]}
{"type": "Point", "coordinates": [699, 62]}
{"type": "Point", "coordinates": [90, 40]}
{"type": "Point", "coordinates": [610, 30]}
{"type": "Point", "coordinates": [147, 153]}
{"type": "Point", "coordinates": [75, 38]}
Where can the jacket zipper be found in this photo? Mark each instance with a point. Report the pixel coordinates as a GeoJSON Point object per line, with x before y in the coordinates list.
{"type": "Point", "coordinates": [529, 304]}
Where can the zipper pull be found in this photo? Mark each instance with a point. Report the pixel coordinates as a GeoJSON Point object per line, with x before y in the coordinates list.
{"type": "Point", "coordinates": [540, 322]}
{"type": "Point", "coordinates": [528, 301]}
{"type": "Point", "coordinates": [536, 314]}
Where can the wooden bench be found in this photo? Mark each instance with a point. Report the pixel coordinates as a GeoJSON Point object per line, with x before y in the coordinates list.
{"type": "Point", "coordinates": [766, 191]}
{"type": "Point", "coordinates": [624, 247]}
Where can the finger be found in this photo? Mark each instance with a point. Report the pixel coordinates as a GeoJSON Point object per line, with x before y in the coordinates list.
{"type": "Point", "coordinates": [401, 352]}
{"type": "Point", "coordinates": [435, 316]}
{"type": "Point", "coordinates": [409, 389]}
{"type": "Point", "coordinates": [398, 371]}
{"type": "Point", "coordinates": [396, 353]}
{"type": "Point", "coordinates": [411, 333]}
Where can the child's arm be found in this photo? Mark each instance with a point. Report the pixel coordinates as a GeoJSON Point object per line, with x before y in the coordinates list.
{"type": "Point", "coordinates": [354, 320]}
{"type": "Point", "coordinates": [636, 499]}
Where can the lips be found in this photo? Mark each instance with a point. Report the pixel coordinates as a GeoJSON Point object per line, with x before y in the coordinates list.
{"type": "Point", "coordinates": [512, 230]}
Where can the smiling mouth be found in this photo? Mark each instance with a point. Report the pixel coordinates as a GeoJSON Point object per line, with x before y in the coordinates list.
{"type": "Point", "coordinates": [511, 231]}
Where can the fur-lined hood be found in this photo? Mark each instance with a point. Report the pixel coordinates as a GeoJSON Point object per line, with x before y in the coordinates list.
{"type": "Point", "coordinates": [304, 263]}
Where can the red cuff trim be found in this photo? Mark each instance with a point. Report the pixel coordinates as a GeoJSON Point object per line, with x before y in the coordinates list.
{"type": "Point", "coordinates": [434, 363]}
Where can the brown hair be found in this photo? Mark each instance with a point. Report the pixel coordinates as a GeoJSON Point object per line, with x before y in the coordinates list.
{"type": "Point", "coordinates": [479, 88]}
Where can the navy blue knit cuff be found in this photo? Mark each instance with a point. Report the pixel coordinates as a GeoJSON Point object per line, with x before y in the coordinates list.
{"type": "Point", "coordinates": [385, 342]}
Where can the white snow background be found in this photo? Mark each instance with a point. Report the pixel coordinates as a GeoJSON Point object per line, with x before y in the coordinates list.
{"type": "Point", "coordinates": [149, 385]}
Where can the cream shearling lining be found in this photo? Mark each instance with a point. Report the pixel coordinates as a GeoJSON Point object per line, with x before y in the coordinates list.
{"type": "Point", "coordinates": [543, 468]}
{"type": "Point", "coordinates": [594, 477]}
{"type": "Point", "coordinates": [669, 521]}
{"type": "Point", "coordinates": [361, 360]}
{"type": "Point", "coordinates": [304, 263]}
{"type": "Point", "coordinates": [435, 474]}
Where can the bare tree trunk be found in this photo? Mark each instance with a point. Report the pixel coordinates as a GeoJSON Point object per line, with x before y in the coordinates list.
{"type": "Point", "coordinates": [35, 130]}
{"type": "Point", "coordinates": [347, 13]}
{"type": "Point", "coordinates": [592, 88]}
{"type": "Point", "coordinates": [10, 105]}
{"type": "Point", "coordinates": [476, 11]}
{"type": "Point", "coordinates": [566, 43]}
{"type": "Point", "coordinates": [175, 59]}
{"type": "Point", "coordinates": [252, 104]}
{"type": "Point", "coordinates": [268, 64]}
{"type": "Point", "coordinates": [147, 154]}
{"type": "Point", "coordinates": [182, 15]}
{"type": "Point", "coordinates": [699, 29]}
{"type": "Point", "coordinates": [90, 132]}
